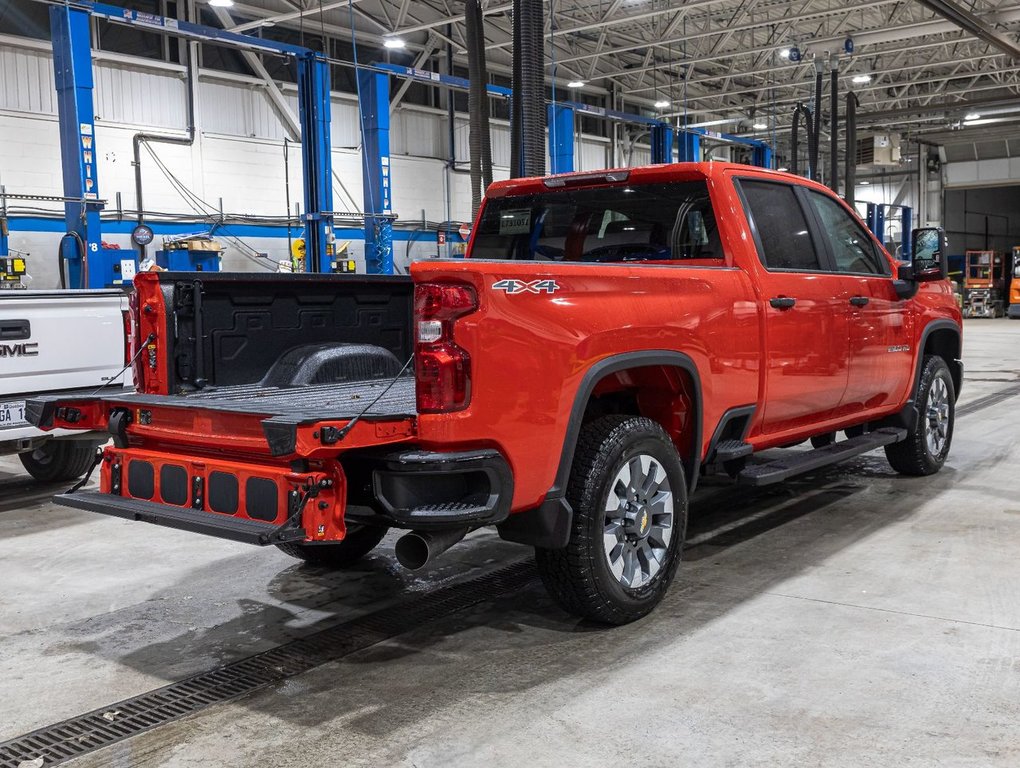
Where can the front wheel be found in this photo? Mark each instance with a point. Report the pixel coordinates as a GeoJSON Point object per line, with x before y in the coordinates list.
{"type": "Point", "coordinates": [360, 540]}
{"type": "Point", "coordinates": [629, 497]}
{"type": "Point", "coordinates": [927, 445]}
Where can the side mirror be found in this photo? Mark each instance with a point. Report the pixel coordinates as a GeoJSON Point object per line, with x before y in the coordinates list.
{"type": "Point", "coordinates": [928, 254]}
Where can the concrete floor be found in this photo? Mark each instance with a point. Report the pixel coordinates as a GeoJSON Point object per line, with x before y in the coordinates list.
{"type": "Point", "coordinates": [848, 618]}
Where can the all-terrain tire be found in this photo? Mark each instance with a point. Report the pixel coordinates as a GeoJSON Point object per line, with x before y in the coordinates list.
{"type": "Point", "coordinates": [360, 540]}
{"type": "Point", "coordinates": [927, 445]}
{"type": "Point", "coordinates": [59, 460]}
{"type": "Point", "coordinates": [580, 576]}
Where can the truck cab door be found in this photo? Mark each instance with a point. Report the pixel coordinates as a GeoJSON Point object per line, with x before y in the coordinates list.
{"type": "Point", "coordinates": [880, 332]}
{"type": "Point", "coordinates": [805, 306]}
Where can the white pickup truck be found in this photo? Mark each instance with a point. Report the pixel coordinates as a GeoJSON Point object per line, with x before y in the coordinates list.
{"type": "Point", "coordinates": [57, 341]}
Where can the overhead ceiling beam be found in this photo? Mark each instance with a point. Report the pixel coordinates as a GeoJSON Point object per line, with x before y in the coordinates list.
{"type": "Point", "coordinates": [288, 118]}
{"type": "Point", "coordinates": [269, 21]}
{"type": "Point", "coordinates": [966, 20]}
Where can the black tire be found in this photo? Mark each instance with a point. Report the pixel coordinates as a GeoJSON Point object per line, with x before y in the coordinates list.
{"type": "Point", "coordinates": [59, 460]}
{"type": "Point", "coordinates": [579, 576]}
{"type": "Point", "coordinates": [916, 455]}
{"type": "Point", "coordinates": [360, 540]}
{"type": "Point", "coordinates": [820, 441]}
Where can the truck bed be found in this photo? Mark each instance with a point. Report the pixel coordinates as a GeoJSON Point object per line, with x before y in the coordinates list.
{"type": "Point", "coordinates": [323, 401]}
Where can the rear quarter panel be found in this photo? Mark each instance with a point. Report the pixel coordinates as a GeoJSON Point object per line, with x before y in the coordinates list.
{"type": "Point", "coordinates": [530, 351]}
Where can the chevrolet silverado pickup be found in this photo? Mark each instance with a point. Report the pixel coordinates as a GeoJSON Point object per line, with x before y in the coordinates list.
{"type": "Point", "coordinates": [610, 338]}
{"type": "Point", "coordinates": [62, 343]}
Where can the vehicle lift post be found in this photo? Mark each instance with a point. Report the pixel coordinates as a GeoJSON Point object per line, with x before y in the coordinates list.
{"type": "Point", "coordinates": [72, 61]}
{"type": "Point", "coordinates": [374, 101]}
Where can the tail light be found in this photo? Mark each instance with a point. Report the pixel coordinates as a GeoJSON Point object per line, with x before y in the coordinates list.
{"type": "Point", "coordinates": [442, 369]}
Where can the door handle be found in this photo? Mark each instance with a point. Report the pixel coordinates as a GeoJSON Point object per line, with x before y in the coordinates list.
{"type": "Point", "coordinates": [860, 301]}
{"type": "Point", "coordinates": [15, 330]}
{"type": "Point", "coordinates": [782, 302]}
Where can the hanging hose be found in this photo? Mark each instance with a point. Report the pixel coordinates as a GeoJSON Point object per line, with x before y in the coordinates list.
{"type": "Point", "coordinates": [527, 114]}
{"type": "Point", "coordinates": [816, 130]}
{"type": "Point", "coordinates": [834, 130]}
{"type": "Point", "coordinates": [483, 76]}
{"type": "Point", "coordinates": [799, 110]}
{"type": "Point", "coordinates": [476, 97]}
{"type": "Point", "coordinates": [82, 254]}
{"type": "Point", "coordinates": [850, 169]}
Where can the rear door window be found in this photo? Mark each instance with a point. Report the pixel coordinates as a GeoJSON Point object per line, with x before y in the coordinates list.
{"type": "Point", "coordinates": [784, 239]}
{"type": "Point", "coordinates": [637, 222]}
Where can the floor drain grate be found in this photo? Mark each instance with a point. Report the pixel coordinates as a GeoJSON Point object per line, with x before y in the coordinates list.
{"type": "Point", "coordinates": [97, 729]}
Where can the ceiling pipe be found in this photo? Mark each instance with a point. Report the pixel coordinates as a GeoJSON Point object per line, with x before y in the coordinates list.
{"type": "Point", "coordinates": [977, 26]}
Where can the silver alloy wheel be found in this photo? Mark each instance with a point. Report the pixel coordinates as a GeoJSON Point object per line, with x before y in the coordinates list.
{"type": "Point", "coordinates": [936, 417]}
{"type": "Point", "coordinates": [639, 521]}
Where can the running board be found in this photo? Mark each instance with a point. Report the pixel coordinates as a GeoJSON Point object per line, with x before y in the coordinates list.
{"type": "Point", "coordinates": [777, 471]}
{"type": "Point", "coordinates": [215, 524]}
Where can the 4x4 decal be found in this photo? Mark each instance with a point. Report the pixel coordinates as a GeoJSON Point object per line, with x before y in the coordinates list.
{"type": "Point", "coordinates": [512, 287]}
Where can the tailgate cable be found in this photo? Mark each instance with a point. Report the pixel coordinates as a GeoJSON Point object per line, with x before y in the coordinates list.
{"type": "Point", "coordinates": [341, 433]}
{"type": "Point", "coordinates": [141, 348]}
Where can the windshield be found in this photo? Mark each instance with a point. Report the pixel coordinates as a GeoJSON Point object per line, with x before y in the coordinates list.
{"type": "Point", "coordinates": [639, 222]}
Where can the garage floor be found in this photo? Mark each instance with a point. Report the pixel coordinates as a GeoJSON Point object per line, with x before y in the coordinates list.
{"type": "Point", "coordinates": [848, 618]}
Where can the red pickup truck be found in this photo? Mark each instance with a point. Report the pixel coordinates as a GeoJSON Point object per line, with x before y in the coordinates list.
{"type": "Point", "coordinates": [611, 337]}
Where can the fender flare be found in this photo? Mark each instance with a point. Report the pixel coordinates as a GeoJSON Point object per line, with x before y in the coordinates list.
{"type": "Point", "coordinates": [937, 325]}
{"type": "Point", "coordinates": [548, 525]}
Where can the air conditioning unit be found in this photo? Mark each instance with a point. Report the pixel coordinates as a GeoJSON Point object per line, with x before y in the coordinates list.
{"type": "Point", "coordinates": [881, 149]}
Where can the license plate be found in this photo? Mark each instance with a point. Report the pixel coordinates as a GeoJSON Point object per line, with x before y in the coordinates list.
{"type": "Point", "coordinates": [12, 414]}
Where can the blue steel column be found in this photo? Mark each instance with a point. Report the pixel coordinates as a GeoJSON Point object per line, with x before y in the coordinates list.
{"type": "Point", "coordinates": [689, 147]}
{"type": "Point", "coordinates": [662, 144]}
{"type": "Point", "coordinates": [374, 96]}
{"type": "Point", "coordinates": [72, 67]}
{"type": "Point", "coordinates": [907, 222]}
{"type": "Point", "coordinates": [761, 155]}
{"type": "Point", "coordinates": [316, 160]}
{"type": "Point", "coordinates": [561, 138]}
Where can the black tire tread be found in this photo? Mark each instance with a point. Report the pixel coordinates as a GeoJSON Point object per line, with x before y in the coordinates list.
{"type": "Point", "coordinates": [67, 460]}
{"type": "Point", "coordinates": [910, 456]}
{"type": "Point", "coordinates": [359, 542]}
{"type": "Point", "coordinates": [569, 573]}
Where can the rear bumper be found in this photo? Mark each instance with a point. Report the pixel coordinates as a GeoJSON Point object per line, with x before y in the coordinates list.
{"type": "Point", "coordinates": [271, 503]}
{"type": "Point", "coordinates": [424, 489]}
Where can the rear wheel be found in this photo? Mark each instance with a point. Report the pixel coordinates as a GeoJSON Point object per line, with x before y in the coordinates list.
{"type": "Point", "coordinates": [58, 460]}
{"type": "Point", "coordinates": [360, 540]}
{"type": "Point", "coordinates": [629, 497]}
{"type": "Point", "coordinates": [927, 444]}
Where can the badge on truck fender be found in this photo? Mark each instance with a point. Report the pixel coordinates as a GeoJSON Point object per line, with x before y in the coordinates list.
{"type": "Point", "coordinates": [513, 287]}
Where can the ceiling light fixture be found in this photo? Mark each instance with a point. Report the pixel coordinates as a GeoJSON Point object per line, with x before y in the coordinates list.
{"type": "Point", "coordinates": [972, 116]}
{"type": "Point", "coordinates": [575, 84]}
{"type": "Point", "coordinates": [861, 79]}
{"type": "Point", "coordinates": [221, 3]}
{"type": "Point", "coordinates": [865, 183]}
{"type": "Point", "coordinates": [782, 170]}
{"type": "Point", "coordinates": [394, 42]}
{"type": "Point", "coordinates": [661, 104]}
{"type": "Point", "coordinates": [785, 53]}
{"type": "Point", "coordinates": [760, 126]}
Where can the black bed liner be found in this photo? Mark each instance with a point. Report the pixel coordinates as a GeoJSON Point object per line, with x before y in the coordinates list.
{"type": "Point", "coordinates": [298, 404]}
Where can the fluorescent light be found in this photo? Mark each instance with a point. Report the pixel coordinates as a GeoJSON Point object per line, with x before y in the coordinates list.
{"type": "Point", "coordinates": [221, 3]}
{"type": "Point", "coordinates": [865, 183]}
{"type": "Point", "coordinates": [575, 84]}
{"type": "Point", "coordinates": [972, 116]}
{"type": "Point", "coordinates": [393, 42]}
{"type": "Point", "coordinates": [782, 170]}
{"type": "Point", "coordinates": [661, 104]}
{"type": "Point", "coordinates": [785, 53]}
{"type": "Point", "coordinates": [861, 79]}
{"type": "Point", "coordinates": [760, 126]}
